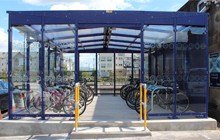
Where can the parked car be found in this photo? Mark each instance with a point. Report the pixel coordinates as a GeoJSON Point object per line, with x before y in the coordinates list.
{"type": "Point", "coordinates": [3, 87]}
{"type": "Point", "coordinates": [4, 95]}
{"type": "Point", "coordinates": [196, 84]}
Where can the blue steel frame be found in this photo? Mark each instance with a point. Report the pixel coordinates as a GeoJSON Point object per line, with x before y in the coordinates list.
{"type": "Point", "coordinates": [84, 20]}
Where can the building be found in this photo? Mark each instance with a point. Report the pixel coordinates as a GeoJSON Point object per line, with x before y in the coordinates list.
{"type": "Point", "coordinates": [211, 7]}
{"type": "Point", "coordinates": [122, 64]}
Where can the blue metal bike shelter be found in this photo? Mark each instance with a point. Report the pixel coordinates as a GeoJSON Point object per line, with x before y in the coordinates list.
{"type": "Point", "coordinates": [110, 22]}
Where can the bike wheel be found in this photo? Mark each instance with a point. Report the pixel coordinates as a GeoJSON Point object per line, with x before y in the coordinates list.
{"type": "Point", "coordinates": [90, 96]}
{"type": "Point", "coordinates": [33, 103]}
{"type": "Point", "coordinates": [125, 91]}
{"type": "Point", "coordinates": [122, 91]}
{"type": "Point", "coordinates": [69, 105]}
{"type": "Point", "coordinates": [130, 98]}
{"type": "Point", "coordinates": [182, 103]}
{"type": "Point", "coordinates": [137, 105]}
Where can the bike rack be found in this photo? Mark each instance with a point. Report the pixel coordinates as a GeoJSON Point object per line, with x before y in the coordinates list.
{"type": "Point", "coordinates": [77, 88]}
{"type": "Point", "coordinates": [143, 86]}
{"type": "Point", "coordinates": [152, 94]}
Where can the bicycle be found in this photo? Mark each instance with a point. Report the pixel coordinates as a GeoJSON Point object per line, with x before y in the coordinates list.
{"type": "Point", "coordinates": [163, 96]}
{"type": "Point", "coordinates": [55, 100]}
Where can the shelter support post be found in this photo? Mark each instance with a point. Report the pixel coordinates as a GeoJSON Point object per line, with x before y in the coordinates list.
{"type": "Point", "coordinates": [132, 66]}
{"type": "Point", "coordinates": [96, 74]}
{"type": "Point", "coordinates": [142, 57]}
{"type": "Point", "coordinates": [41, 71]}
{"type": "Point", "coordinates": [207, 66]}
{"type": "Point", "coordinates": [76, 57]}
{"type": "Point", "coordinates": [48, 60]}
{"type": "Point", "coordinates": [114, 76]}
{"type": "Point", "coordinates": [10, 70]}
{"type": "Point", "coordinates": [174, 72]}
{"type": "Point", "coordinates": [55, 64]}
{"type": "Point", "coordinates": [28, 70]}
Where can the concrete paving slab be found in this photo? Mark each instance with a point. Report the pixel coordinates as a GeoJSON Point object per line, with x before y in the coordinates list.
{"type": "Point", "coordinates": [109, 132]}
{"type": "Point", "coordinates": [108, 108]}
{"type": "Point", "coordinates": [155, 135]}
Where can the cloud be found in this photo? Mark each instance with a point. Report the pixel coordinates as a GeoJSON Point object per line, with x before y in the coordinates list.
{"type": "Point", "coordinates": [93, 5]}
{"type": "Point", "coordinates": [85, 4]}
{"type": "Point", "coordinates": [3, 40]}
{"type": "Point", "coordinates": [141, 1]}
{"type": "Point", "coordinates": [48, 2]}
{"type": "Point", "coordinates": [175, 7]}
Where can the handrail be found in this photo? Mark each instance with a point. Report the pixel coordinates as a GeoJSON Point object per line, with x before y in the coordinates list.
{"type": "Point", "coordinates": [77, 89]}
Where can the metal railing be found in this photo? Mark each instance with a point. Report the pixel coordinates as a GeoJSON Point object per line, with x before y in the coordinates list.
{"type": "Point", "coordinates": [77, 94]}
{"type": "Point", "coordinates": [143, 87]}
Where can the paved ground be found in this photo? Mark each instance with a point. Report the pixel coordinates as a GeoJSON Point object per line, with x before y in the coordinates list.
{"type": "Point", "coordinates": [108, 108]}
{"type": "Point", "coordinates": [163, 135]}
{"type": "Point", "coordinates": [95, 112]}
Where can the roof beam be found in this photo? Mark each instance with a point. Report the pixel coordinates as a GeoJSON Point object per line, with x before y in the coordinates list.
{"type": "Point", "coordinates": [124, 41]}
{"type": "Point", "coordinates": [134, 41]}
{"type": "Point", "coordinates": [107, 36]}
{"type": "Point", "coordinates": [73, 30]}
{"type": "Point", "coordinates": [92, 40]}
{"type": "Point", "coordinates": [92, 45]}
{"type": "Point", "coordinates": [63, 37]}
{"type": "Point", "coordinates": [125, 35]}
{"type": "Point", "coordinates": [58, 30]}
{"type": "Point", "coordinates": [117, 45]}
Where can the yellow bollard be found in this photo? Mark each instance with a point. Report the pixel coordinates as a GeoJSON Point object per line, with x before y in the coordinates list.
{"type": "Point", "coordinates": [140, 101]}
{"type": "Point", "coordinates": [76, 106]}
{"type": "Point", "coordinates": [145, 107]}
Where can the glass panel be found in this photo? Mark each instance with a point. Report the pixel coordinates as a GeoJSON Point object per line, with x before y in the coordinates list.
{"type": "Point", "coordinates": [113, 47]}
{"type": "Point", "coordinates": [158, 41]}
{"type": "Point", "coordinates": [125, 31]}
{"type": "Point", "coordinates": [122, 38]}
{"type": "Point", "coordinates": [91, 31]}
{"type": "Point", "coordinates": [90, 38]}
{"type": "Point", "coordinates": [191, 69]}
{"type": "Point", "coordinates": [24, 37]}
{"type": "Point", "coordinates": [92, 43]}
{"type": "Point", "coordinates": [59, 70]}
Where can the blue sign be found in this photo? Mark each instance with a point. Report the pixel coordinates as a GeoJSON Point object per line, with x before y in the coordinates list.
{"type": "Point", "coordinates": [214, 63]}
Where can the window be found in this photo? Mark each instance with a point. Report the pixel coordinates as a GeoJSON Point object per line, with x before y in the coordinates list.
{"type": "Point", "coordinates": [120, 64]}
{"type": "Point", "coordinates": [109, 59]}
{"type": "Point", "coordinates": [120, 58]}
{"type": "Point", "coordinates": [120, 54]}
{"type": "Point", "coordinates": [103, 59]}
{"type": "Point", "coordinates": [109, 65]}
{"type": "Point", "coordinates": [103, 66]}
{"type": "Point", "coordinates": [20, 61]}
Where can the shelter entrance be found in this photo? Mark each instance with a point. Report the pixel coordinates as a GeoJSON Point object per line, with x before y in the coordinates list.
{"type": "Point", "coordinates": [110, 49]}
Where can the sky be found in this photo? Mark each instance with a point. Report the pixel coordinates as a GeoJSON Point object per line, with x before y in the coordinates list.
{"type": "Point", "coordinates": [32, 5]}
